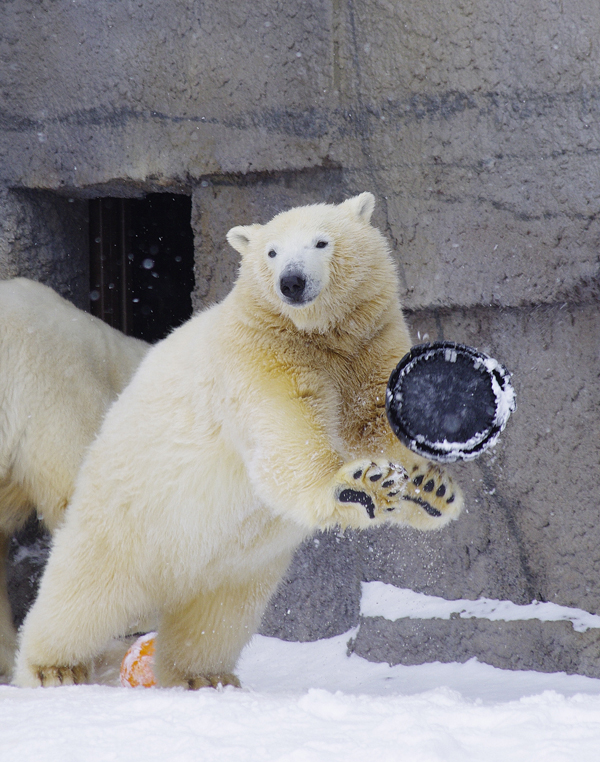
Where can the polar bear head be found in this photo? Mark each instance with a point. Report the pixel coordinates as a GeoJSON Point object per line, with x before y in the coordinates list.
{"type": "Point", "coordinates": [315, 264]}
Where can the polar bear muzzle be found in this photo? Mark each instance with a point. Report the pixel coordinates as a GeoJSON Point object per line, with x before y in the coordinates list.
{"type": "Point", "coordinates": [292, 287]}
{"type": "Point", "coordinates": [298, 289]}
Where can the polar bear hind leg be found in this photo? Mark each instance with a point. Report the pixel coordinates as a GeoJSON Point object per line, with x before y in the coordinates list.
{"type": "Point", "coordinates": [15, 508]}
{"type": "Point", "coordinates": [83, 601]}
{"type": "Point", "coordinates": [8, 636]}
{"type": "Point", "coordinates": [198, 644]}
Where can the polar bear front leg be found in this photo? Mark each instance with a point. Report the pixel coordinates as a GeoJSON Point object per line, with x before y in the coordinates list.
{"type": "Point", "coordinates": [195, 648]}
{"type": "Point", "coordinates": [309, 482]}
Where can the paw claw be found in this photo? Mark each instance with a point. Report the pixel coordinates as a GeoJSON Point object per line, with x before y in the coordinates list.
{"type": "Point", "coordinates": [380, 489]}
{"type": "Point", "coordinates": [214, 681]}
{"type": "Point", "coordinates": [55, 676]}
{"type": "Point", "coordinates": [427, 491]}
{"type": "Point", "coordinates": [375, 486]}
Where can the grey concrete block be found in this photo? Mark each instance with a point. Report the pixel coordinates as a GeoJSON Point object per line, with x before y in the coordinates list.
{"type": "Point", "coordinates": [527, 645]}
{"type": "Point", "coordinates": [483, 154]}
{"type": "Point", "coordinates": [320, 596]}
{"type": "Point", "coordinates": [44, 236]}
{"type": "Point", "coordinates": [540, 482]}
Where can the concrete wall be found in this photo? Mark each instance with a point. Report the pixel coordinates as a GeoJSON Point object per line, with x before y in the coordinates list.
{"type": "Point", "coordinates": [476, 125]}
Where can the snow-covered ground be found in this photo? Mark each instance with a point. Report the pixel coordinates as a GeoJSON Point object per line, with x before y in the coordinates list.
{"type": "Point", "coordinates": [309, 702]}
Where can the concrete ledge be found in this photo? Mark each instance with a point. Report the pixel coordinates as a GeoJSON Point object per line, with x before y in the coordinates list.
{"type": "Point", "coordinates": [524, 645]}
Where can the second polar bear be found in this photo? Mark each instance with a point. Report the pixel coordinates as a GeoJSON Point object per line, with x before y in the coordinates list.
{"type": "Point", "coordinates": [257, 422]}
{"type": "Point", "coordinates": [60, 368]}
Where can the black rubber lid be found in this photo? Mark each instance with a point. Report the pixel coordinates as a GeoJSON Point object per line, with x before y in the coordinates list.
{"type": "Point", "coordinates": [448, 401]}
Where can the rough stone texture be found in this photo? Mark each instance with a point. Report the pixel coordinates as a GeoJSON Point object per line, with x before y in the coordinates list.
{"type": "Point", "coordinates": [45, 237]}
{"type": "Point", "coordinates": [476, 125]}
{"type": "Point", "coordinates": [330, 564]}
{"type": "Point", "coordinates": [541, 480]}
{"type": "Point", "coordinates": [541, 646]}
{"type": "Point", "coordinates": [162, 91]}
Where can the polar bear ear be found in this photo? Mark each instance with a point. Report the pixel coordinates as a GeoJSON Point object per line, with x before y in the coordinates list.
{"type": "Point", "coordinates": [361, 206]}
{"type": "Point", "coordinates": [241, 237]}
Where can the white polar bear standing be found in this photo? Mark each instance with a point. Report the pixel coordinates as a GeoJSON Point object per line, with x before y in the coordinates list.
{"type": "Point", "coordinates": [60, 368]}
{"type": "Point", "coordinates": [250, 426]}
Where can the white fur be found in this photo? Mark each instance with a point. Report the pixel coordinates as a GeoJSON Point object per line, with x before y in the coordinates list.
{"type": "Point", "coordinates": [60, 368]}
{"type": "Point", "coordinates": [240, 434]}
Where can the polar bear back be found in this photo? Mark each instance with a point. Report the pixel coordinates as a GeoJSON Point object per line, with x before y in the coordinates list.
{"type": "Point", "coordinates": [61, 368]}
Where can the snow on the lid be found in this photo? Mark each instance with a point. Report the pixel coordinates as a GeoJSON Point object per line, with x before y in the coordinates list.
{"type": "Point", "coordinates": [505, 398]}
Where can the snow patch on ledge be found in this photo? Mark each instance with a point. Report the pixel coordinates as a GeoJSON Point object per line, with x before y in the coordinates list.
{"type": "Point", "coordinates": [390, 602]}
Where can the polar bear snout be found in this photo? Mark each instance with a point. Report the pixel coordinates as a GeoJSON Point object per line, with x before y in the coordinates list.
{"type": "Point", "coordinates": [297, 288]}
{"type": "Point", "coordinates": [293, 287]}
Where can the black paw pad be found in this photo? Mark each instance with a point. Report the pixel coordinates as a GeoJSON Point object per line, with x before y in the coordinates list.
{"type": "Point", "coordinates": [425, 506]}
{"type": "Point", "coordinates": [429, 486]}
{"type": "Point", "coordinates": [356, 496]}
{"type": "Point", "coordinates": [441, 490]}
{"type": "Point", "coordinates": [357, 474]}
{"type": "Point", "coordinates": [418, 480]}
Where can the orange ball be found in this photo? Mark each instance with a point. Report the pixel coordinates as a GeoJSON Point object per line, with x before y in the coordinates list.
{"type": "Point", "coordinates": [136, 667]}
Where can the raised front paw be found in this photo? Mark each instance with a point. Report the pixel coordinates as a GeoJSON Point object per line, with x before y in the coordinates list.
{"type": "Point", "coordinates": [431, 499]}
{"type": "Point", "coordinates": [375, 485]}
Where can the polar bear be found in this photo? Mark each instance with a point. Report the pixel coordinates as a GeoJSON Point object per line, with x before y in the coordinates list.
{"type": "Point", "coordinates": [255, 423]}
{"type": "Point", "coordinates": [60, 368]}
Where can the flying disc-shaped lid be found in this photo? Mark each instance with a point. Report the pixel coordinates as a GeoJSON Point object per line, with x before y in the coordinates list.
{"type": "Point", "coordinates": [448, 401]}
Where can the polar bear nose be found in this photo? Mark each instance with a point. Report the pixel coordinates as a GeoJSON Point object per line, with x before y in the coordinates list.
{"type": "Point", "coordinates": [292, 287]}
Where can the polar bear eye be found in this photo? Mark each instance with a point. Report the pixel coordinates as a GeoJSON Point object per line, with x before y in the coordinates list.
{"type": "Point", "coordinates": [272, 253]}
{"type": "Point", "coordinates": [321, 244]}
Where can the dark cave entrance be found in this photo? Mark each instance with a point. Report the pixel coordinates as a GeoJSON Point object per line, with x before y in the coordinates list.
{"type": "Point", "coordinates": [142, 263]}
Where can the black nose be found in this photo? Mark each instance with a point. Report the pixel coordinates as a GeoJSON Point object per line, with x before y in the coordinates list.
{"type": "Point", "coordinates": [292, 287]}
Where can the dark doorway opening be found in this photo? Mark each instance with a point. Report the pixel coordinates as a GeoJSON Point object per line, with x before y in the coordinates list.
{"type": "Point", "coordinates": [142, 263]}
